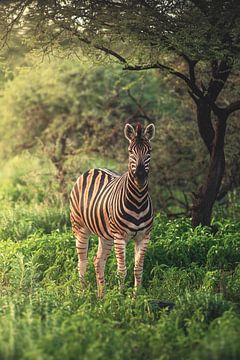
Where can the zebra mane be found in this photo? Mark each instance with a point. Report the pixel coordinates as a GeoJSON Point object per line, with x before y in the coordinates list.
{"type": "Point", "coordinates": [139, 130]}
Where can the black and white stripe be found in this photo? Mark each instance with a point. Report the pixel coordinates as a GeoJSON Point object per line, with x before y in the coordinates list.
{"type": "Point", "coordinates": [116, 208]}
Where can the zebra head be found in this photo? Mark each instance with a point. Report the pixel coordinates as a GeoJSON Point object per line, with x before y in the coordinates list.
{"type": "Point", "coordinates": [139, 151]}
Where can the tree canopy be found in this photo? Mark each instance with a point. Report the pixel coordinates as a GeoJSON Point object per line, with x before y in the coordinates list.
{"type": "Point", "coordinates": [195, 41]}
{"type": "Point", "coordinates": [202, 29]}
{"type": "Point", "coordinates": [173, 36]}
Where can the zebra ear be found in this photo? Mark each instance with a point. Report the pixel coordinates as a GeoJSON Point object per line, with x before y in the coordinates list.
{"type": "Point", "coordinates": [129, 132]}
{"type": "Point", "coordinates": [149, 132]}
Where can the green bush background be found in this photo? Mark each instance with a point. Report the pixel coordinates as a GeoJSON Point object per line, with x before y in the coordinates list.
{"type": "Point", "coordinates": [43, 312]}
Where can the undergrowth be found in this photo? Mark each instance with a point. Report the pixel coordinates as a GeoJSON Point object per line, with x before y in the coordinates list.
{"type": "Point", "coordinates": [45, 314]}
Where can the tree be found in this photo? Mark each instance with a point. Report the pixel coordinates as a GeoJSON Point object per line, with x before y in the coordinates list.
{"type": "Point", "coordinates": [195, 41]}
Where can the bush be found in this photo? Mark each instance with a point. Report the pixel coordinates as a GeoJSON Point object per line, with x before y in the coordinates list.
{"type": "Point", "coordinates": [46, 315]}
{"type": "Point", "coordinates": [68, 109]}
{"type": "Point", "coordinates": [20, 221]}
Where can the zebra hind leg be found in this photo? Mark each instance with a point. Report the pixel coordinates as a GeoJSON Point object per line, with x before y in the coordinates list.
{"type": "Point", "coordinates": [104, 249]}
{"type": "Point", "coordinates": [82, 240]}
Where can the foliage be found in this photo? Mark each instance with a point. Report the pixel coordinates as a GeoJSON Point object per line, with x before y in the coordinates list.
{"type": "Point", "coordinates": [142, 31]}
{"type": "Point", "coordinates": [63, 96]}
{"type": "Point", "coordinates": [70, 116]}
{"type": "Point", "coordinates": [143, 35]}
{"type": "Point", "coordinates": [26, 177]}
{"type": "Point", "coordinates": [45, 314]}
{"type": "Point", "coordinates": [73, 116]}
{"type": "Point", "coordinates": [64, 116]}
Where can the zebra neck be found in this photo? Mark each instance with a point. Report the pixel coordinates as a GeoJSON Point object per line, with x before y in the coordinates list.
{"type": "Point", "coordinates": [134, 193]}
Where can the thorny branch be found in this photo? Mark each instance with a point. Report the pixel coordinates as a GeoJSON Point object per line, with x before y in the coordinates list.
{"type": "Point", "coordinates": [139, 105]}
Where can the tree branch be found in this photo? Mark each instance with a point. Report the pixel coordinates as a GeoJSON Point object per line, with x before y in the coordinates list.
{"type": "Point", "coordinates": [189, 81]}
{"type": "Point", "coordinates": [138, 105]}
{"type": "Point", "coordinates": [98, 47]}
{"type": "Point", "coordinates": [191, 84]}
{"type": "Point", "coordinates": [111, 52]}
{"type": "Point", "coordinates": [195, 98]}
{"type": "Point", "coordinates": [220, 73]}
{"type": "Point", "coordinates": [172, 71]}
{"type": "Point", "coordinates": [191, 67]}
{"type": "Point", "coordinates": [233, 107]}
{"type": "Point", "coordinates": [16, 12]}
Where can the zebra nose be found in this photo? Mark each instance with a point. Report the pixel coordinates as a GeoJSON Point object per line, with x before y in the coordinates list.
{"type": "Point", "coordinates": [140, 172]}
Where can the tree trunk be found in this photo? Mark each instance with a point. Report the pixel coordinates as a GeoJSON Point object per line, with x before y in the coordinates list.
{"type": "Point", "coordinates": [61, 178]}
{"type": "Point", "coordinates": [213, 138]}
{"type": "Point", "coordinates": [57, 156]}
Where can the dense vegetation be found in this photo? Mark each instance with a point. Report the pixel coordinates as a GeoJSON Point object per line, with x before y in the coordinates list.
{"type": "Point", "coordinates": [70, 115]}
{"type": "Point", "coordinates": [62, 116]}
{"type": "Point", "coordinates": [44, 314]}
{"type": "Point", "coordinates": [195, 42]}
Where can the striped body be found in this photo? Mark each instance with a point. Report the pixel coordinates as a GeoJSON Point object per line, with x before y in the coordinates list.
{"type": "Point", "coordinates": [116, 208]}
{"type": "Point", "coordinates": [109, 205]}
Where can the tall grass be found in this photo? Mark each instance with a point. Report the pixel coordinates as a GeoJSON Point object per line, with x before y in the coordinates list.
{"type": "Point", "coordinates": [18, 221]}
{"type": "Point", "coordinates": [45, 314]}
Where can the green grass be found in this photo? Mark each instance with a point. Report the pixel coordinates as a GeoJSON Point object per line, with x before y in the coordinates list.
{"type": "Point", "coordinates": [19, 221]}
{"type": "Point", "coordinates": [45, 315]}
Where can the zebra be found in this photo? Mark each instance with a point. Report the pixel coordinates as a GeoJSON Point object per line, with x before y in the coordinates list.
{"type": "Point", "coordinates": [116, 208]}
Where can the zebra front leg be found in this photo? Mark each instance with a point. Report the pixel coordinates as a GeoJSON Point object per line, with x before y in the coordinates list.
{"type": "Point", "coordinates": [120, 251]}
{"type": "Point", "coordinates": [140, 249]}
{"type": "Point", "coordinates": [104, 249]}
{"type": "Point", "coordinates": [82, 239]}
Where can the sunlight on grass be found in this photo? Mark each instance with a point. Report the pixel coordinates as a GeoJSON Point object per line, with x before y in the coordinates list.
{"type": "Point", "coordinates": [45, 315]}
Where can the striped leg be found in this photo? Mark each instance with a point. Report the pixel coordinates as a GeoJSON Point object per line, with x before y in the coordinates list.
{"type": "Point", "coordinates": [104, 249]}
{"type": "Point", "coordinates": [120, 251]}
{"type": "Point", "coordinates": [82, 239]}
{"type": "Point", "coordinates": [140, 249]}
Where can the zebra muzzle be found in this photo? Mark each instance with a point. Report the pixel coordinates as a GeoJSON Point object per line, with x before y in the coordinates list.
{"type": "Point", "coordinates": [141, 175]}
